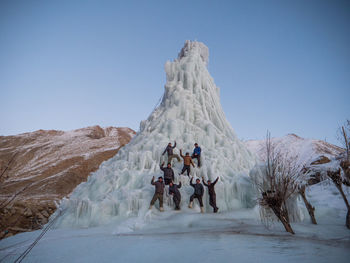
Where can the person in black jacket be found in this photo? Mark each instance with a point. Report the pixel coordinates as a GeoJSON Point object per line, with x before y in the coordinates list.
{"type": "Point", "coordinates": [212, 194]}
{"type": "Point", "coordinates": [174, 190]}
{"type": "Point", "coordinates": [198, 193]}
{"type": "Point", "coordinates": [168, 173]}
{"type": "Point", "coordinates": [158, 193]}
{"type": "Point", "coordinates": [170, 150]}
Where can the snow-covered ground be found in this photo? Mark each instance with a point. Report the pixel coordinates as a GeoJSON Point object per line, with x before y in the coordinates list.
{"type": "Point", "coordinates": [189, 236]}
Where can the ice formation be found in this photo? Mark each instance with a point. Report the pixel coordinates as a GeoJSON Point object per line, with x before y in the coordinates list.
{"type": "Point", "coordinates": [190, 111]}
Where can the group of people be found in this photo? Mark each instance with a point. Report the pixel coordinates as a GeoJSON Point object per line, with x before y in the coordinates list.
{"type": "Point", "coordinates": [187, 158]}
{"type": "Point", "coordinates": [169, 178]}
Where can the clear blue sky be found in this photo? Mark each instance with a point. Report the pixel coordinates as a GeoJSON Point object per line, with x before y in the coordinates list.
{"type": "Point", "coordinates": [280, 65]}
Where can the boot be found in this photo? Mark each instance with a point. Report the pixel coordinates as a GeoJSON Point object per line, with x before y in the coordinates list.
{"type": "Point", "coordinates": [216, 209]}
{"type": "Point", "coordinates": [190, 204]}
{"type": "Point", "coordinates": [161, 209]}
{"type": "Point", "coordinates": [202, 210]}
{"type": "Point", "coordinates": [150, 207]}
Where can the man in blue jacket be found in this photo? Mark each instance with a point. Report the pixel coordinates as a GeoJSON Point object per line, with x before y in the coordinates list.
{"type": "Point", "coordinates": [197, 154]}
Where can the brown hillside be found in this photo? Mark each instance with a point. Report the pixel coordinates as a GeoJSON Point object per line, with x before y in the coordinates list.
{"type": "Point", "coordinates": [39, 168]}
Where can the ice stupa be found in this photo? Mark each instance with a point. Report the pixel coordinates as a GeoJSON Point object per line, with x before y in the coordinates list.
{"type": "Point", "coordinates": [189, 112]}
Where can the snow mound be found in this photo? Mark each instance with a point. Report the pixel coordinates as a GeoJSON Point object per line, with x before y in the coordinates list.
{"type": "Point", "coordinates": [190, 112]}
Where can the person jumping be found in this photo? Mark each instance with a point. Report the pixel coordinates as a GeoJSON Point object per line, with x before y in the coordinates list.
{"type": "Point", "coordinates": [187, 163]}
{"type": "Point", "coordinates": [170, 150]}
{"type": "Point", "coordinates": [212, 194]}
{"type": "Point", "coordinates": [197, 154]}
{"type": "Point", "coordinates": [174, 191]}
{"type": "Point", "coordinates": [168, 173]}
{"type": "Point", "coordinates": [158, 193]}
{"type": "Point", "coordinates": [198, 193]}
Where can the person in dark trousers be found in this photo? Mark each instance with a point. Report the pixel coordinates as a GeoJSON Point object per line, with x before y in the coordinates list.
{"type": "Point", "coordinates": [198, 193]}
{"type": "Point", "coordinates": [170, 150]}
{"type": "Point", "coordinates": [197, 154]}
{"type": "Point", "coordinates": [212, 194]}
{"type": "Point", "coordinates": [158, 193]}
{"type": "Point", "coordinates": [187, 163]}
{"type": "Point", "coordinates": [174, 191]}
{"type": "Point", "coordinates": [168, 173]}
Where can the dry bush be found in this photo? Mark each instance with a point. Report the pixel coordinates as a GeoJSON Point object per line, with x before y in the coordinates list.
{"type": "Point", "coordinates": [281, 181]}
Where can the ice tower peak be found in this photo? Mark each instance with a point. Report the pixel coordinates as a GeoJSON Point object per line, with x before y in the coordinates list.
{"type": "Point", "coordinates": [194, 48]}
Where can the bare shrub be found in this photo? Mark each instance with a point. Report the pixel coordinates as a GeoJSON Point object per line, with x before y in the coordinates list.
{"type": "Point", "coordinates": [282, 177]}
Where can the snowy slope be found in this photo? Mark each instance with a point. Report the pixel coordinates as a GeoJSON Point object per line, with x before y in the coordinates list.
{"type": "Point", "coordinates": [316, 156]}
{"type": "Point", "coordinates": [306, 149]}
{"type": "Point", "coordinates": [190, 112]}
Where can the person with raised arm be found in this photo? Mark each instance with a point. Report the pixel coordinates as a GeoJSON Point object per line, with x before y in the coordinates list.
{"type": "Point", "coordinates": [174, 191]}
{"type": "Point", "coordinates": [158, 193]}
{"type": "Point", "coordinates": [168, 173]}
{"type": "Point", "coordinates": [170, 150]}
{"type": "Point", "coordinates": [212, 194]}
{"type": "Point", "coordinates": [198, 193]}
{"type": "Point", "coordinates": [187, 163]}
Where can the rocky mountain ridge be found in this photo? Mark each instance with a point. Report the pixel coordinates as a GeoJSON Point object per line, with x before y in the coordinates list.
{"type": "Point", "coordinates": [316, 156]}
{"type": "Point", "coordinates": [37, 169]}
{"type": "Point", "coordinates": [307, 150]}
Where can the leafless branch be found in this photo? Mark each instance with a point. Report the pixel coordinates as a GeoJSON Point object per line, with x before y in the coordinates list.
{"type": "Point", "coordinates": [281, 181]}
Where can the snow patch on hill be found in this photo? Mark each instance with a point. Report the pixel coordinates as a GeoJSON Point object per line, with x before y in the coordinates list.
{"type": "Point", "coordinates": [307, 150]}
